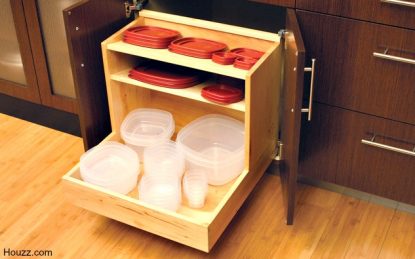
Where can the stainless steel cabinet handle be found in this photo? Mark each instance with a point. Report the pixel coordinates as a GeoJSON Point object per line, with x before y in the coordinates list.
{"type": "Point", "coordinates": [310, 100]}
{"type": "Point", "coordinates": [384, 55]}
{"type": "Point", "coordinates": [399, 2]}
{"type": "Point", "coordinates": [373, 143]}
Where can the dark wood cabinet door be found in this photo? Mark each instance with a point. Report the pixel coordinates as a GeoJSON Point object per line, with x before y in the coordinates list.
{"type": "Point", "coordinates": [291, 100]}
{"type": "Point", "coordinates": [349, 75]}
{"type": "Point", "coordinates": [20, 84]}
{"type": "Point", "coordinates": [386, 12]}
{"type": "Point", "coordinates": [332, 150]}
{"type": "Point", "coordinates": [88, 23]}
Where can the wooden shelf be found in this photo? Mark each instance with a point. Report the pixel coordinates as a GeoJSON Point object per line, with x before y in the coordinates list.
{"type": "Point", "coordinates": [193, 93]}
{"type": "Point", "coordinates": [169, 57]}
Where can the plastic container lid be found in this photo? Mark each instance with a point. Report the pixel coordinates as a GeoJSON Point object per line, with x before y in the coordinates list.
{"type": "Point", "coordinates": [222, 93]}
{"type": "Point", "coordinates": [146, 127]}
{"type": "Point", "coordinates": [247, 53]}
{"type": "Point", "coordinates": [199, 45]}
{"type": "Point", "coordinates": [152, 32]}
{"type": "Point", "coordinates": [166, 72]}
{"type": "Point", "coordinates": [244, 63]}
{"type": "Point", "coordinates": [223, 58]}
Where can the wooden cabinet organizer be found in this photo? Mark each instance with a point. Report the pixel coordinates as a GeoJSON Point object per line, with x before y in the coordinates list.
{"type": "Point", "coordinates": [198, 228]}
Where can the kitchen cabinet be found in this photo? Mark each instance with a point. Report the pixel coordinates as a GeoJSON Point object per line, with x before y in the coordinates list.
{"type": "Point", "coordinates": [27, 56]}
{"type": "Point", "coordinates": [271, 113]}
{"type": "Point", "coordinates": [363, 126]}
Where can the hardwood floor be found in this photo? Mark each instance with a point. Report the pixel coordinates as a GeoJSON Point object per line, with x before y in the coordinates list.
{"type": "Point", "coordinates": [34, 214]}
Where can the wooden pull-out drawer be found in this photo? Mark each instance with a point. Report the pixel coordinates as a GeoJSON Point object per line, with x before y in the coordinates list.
{"type": "Point", "coordinates": [392, 12]}
{"type": "Point", "coordinates": [362, 66]}
{"type": "Point", "coordinates": [365, 152]}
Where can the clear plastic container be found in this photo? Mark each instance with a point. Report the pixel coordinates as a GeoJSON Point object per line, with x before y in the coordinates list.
{"type": "Point", "coordinates": [162, 191]}
{"type": "Point", "coordinates": [143, 128]}
{"type": "Point", "coordinates": [195, 187]}
{"type": "Point", "coordinates": [111, 165]}
{"type": "Point", "coordinates": [214, 143]}
{"type": "Point", "coordinates": [164, 159]}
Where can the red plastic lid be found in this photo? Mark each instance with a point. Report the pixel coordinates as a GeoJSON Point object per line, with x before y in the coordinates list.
{"type": "Point", "coordinates": [147, 44]}
{"type": "Point", "coordinates": [222, 93]}
{"type": "Point", "coordinates": [166, 73]}
{"type": "Point", "coordinates": [163, 83]}
{"type": "Point", "coordinates": [189, 53]}
{"type": "Point", "coordinates": [247, 53]}
{"type": "Point", "coordinates": [199, 45]}
{"type": "Point", "coordinates": [244, 63]}
{"type": "Point", "coordinates": [152, 32]}
{"type": "Point", "coordinates": [223, 58]}
{"type": "Point", "coordinates": [134, 37]}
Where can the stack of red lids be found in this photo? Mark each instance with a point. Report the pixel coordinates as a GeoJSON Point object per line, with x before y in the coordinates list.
{"type": "Point", "coordinates": [246, 58]}
{"type": "Point", "coordinates": [166, 75]}
{"type": "Point", "coordinates": [222, 93]}
{"type": "Point", "coordinates": [150, 36]}
{"type": "Point", "coordinates": [196, 47]}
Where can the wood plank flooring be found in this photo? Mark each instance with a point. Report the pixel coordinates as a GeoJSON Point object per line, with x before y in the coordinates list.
{"type": "Point", "coordinates": [35, 215]}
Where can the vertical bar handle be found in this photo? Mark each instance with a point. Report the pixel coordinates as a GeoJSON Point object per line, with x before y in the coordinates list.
{"type": "Point", "coordinates": [310, 100]}
{"type": "Point", "coordinates": [399, 2]}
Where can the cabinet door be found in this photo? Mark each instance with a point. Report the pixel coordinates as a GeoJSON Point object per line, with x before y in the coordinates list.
{"type": "Point", "coordinates": [292, 94]}
{"type": "Point", "coordinates": [17, 71]}
{"type": "Point", "coordinates": [87, 24]}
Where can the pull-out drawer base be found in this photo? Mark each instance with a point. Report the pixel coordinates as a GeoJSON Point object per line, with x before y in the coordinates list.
{"type": "Point", "coordinates": [198, 228]}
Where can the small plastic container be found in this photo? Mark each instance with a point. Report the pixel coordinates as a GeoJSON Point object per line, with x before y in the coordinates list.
{"type": "Point", "coordinates": [223, 58]}
{"type": "Point", "coordinates": [195, 187]}
{"type": "Point", "coordinates": [161, 191]}
{"type": "Point", "coordinates": [111, 165]}
{"type": "Point", "coordinates": [214, 143]}
{"type": "Point", "coordinates": [143, 128]}
{"type": "Point", "coordinates": [164, 159]}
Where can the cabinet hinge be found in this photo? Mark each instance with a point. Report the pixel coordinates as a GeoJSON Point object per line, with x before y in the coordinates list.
{"type": "Point", "coordinates": [135, 7]}
{"type": "Point", "coordinates": [282, 33]}
{"type": "Point", "coordinates": [279, 151]}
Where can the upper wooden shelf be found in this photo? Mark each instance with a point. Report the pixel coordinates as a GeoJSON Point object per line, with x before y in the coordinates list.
{"type": "Point", "coordinates": [169, 57]}
{"type": "Point", "coordinates": [193, 93]}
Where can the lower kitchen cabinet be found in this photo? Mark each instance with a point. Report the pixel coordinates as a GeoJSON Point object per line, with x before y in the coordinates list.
{"type": "Point", "coordinates": [360, 151]}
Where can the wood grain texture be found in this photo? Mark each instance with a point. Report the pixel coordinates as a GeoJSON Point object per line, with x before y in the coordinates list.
{"type": "Point", "coordinates": [349, 76]}
{"type": "Point", "coordinates": [48, 98]}
{"type": "Point", "coordinates": [332, 151]}
{"type": "Point", "coordinates": [368, 10]}
{"type": "Point", "coordinates": [30, 91]}
{"type": "Point", "coordinates": [285, 3]}
{"type": "Point", "coordinates": [290, 113]}
{"type": "Point", "coordinates": [95, 20]}
{"type": "Point", "coordinates": [257, 231]}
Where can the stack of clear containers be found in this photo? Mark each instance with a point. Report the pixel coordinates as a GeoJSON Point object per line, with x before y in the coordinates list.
{"type": "Point", "coordinates": [143, 128]}
{"type": "Point", "coordinates": [214, 143]}
{"type": "Point", "coordinates": [163, 169]}
{"type": "Point", "coordinates": [111, 165]}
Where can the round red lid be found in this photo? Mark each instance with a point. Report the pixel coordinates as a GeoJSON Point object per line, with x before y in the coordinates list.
{"type": "Point", "coordinates": [222, 93]}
